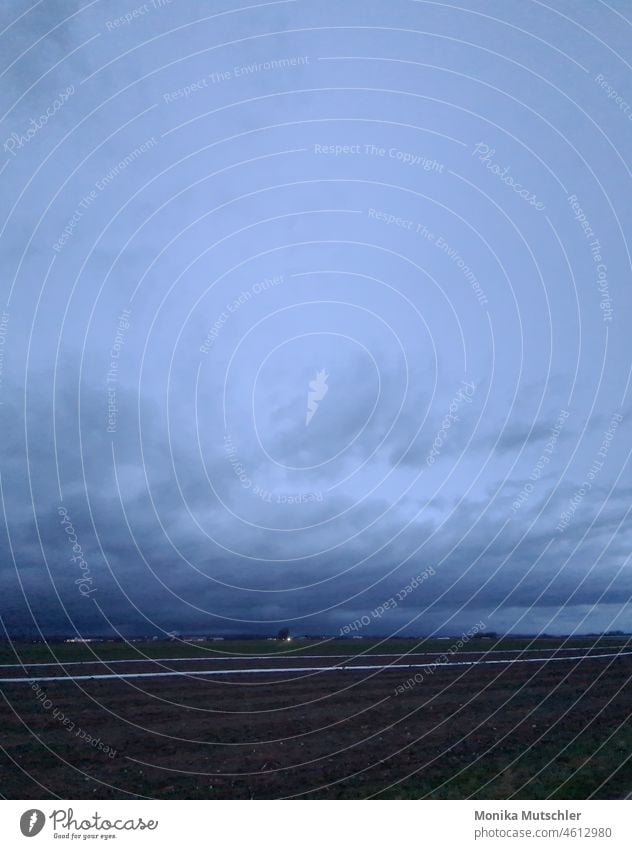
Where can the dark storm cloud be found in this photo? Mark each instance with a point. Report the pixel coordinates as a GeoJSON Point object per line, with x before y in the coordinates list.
{"type": "Point", "coordinates": [149, 570]}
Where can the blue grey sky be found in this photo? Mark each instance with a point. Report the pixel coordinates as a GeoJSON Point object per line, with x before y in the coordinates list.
{"type": "Point", "coordinates": [303, 299]}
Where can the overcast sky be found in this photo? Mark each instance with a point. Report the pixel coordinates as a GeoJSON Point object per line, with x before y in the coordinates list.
{"type": "Point", "coordinates": [303, 300]}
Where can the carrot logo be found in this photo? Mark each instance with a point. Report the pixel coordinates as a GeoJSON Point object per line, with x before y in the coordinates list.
{"type": "Point", "coordinates": [32, 822]}
{"type": "Point", "coordinates": [317, 390]}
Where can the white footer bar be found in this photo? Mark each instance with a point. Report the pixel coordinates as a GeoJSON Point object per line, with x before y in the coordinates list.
{"type": "Point", "coordinates": [317, 824]}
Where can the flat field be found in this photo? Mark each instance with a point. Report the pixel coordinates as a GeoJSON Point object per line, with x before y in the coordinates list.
{"type": "Point", "coordinates": [321, 719]}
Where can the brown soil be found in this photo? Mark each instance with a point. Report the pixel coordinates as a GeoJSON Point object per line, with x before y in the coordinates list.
{"type": "Point", "coordinates": [525, 731]}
